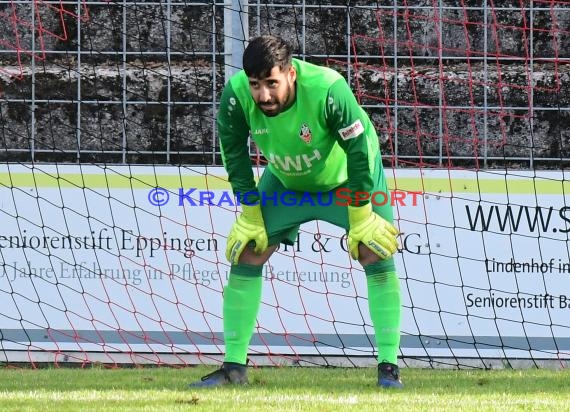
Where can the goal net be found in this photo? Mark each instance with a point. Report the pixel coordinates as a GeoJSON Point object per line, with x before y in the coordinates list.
{"type": "Point", "coordinates": [115, 206]}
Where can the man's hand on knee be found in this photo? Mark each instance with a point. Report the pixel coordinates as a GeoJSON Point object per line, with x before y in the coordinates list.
{"type": "Point", "coordinates": [249, 226]}
{"type": "Point", "coordinates": [372, 230]}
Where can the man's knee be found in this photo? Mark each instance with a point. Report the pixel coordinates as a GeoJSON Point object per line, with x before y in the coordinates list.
{"type": "Point", "coordinates": [366, 256]}
{"type": "Point", "coordinates": [249, 257]}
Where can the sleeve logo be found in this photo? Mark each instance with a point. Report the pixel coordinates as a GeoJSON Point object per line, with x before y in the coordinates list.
{"type": "Point", "coordinates": [352, 131]}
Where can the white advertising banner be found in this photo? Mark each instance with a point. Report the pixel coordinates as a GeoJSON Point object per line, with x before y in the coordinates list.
{"type": "Point", "coordinates": [122, 258]}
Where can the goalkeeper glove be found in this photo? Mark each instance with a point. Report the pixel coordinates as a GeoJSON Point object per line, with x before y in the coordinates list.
{"type": "Point", "coordinates": [372, 230]}
{"type": "Point", "coordinates": [248, 226]}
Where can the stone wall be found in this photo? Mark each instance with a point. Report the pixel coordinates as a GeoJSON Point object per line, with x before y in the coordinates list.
{"type": "Point", "coordinates": [123, 98]}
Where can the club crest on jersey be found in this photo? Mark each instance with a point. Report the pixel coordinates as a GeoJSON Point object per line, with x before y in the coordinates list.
{"type": "Point", "coordinates": [305, 133]}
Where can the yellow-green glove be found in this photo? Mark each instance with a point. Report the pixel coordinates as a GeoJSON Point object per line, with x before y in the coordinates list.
{"type": "Point", "coordinates": [247, 227]}
{"type": "Point", "coordinates": [372, 230]}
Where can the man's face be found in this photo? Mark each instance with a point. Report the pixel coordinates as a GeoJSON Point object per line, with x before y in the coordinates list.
{"type": "Point", "coordinates": [275, 92]}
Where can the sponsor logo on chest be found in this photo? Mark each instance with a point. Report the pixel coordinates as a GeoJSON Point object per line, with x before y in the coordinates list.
{"type": "Point", "coordinates": [297, 163]}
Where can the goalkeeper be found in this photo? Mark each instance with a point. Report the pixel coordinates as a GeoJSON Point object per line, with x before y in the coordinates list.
{"type": "Point", "coordinates": [317, 139]}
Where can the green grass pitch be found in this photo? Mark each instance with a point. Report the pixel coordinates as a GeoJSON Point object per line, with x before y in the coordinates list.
{"type": "Point", "coordinates": [282, 389]}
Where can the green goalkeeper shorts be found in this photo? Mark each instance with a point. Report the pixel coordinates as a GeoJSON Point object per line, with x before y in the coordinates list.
{"type": "Point", "coordinates": [285, 210]}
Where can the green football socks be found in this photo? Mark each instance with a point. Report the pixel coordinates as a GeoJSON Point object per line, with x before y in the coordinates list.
{"type": "Point", "coordinates": [384, 303]}
{"type": "Point", "coordinates": [242, 298]}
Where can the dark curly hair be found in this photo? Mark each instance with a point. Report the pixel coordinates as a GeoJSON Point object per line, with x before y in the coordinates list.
{"type": "Point", "coordinates": [265, 52]}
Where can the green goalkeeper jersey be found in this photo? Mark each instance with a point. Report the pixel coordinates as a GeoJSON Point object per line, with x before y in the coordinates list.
{"type": "Point", "coordinates": [322, 141]}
